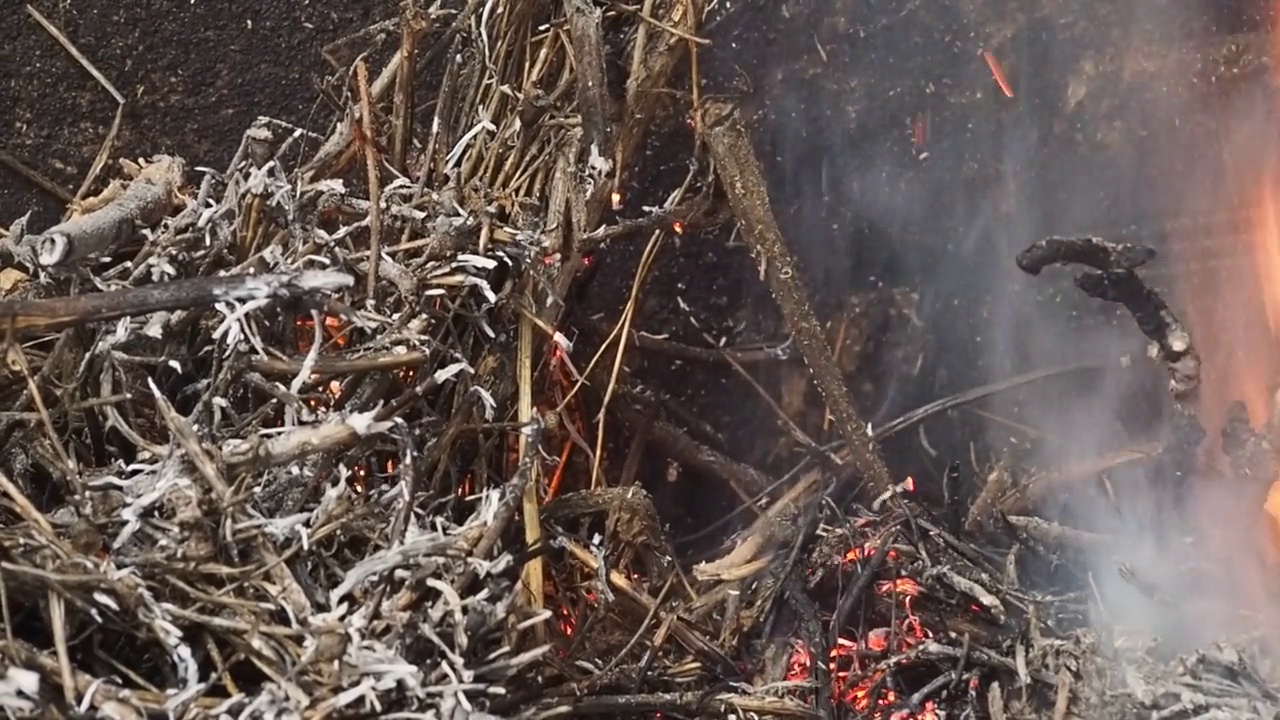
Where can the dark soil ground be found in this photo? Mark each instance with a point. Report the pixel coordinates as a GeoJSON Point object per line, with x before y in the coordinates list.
{"type": "Point", "coordinates": [194, 75]}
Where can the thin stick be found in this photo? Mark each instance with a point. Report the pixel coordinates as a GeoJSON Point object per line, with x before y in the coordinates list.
{"type": "Point", "coordinates": [411, 29]}
{"type": "Point", "coordinates": [375, 190]}
{"type": "Point", "coordinates": [58, 621]}
{"type": "Point", "coordinates": [80, 58]}
{"type": "Point", "coordinates": [104, 151]}
{"type": "Point", "coordinates": [28, 512]}
{"type": "Point", "coordinates": [35, 178]}
{"type": "Point", "coordinates": [915, 416]}
{"type": "Point", "coordinates": [18, 360]}
{"type": "Point", "coordinates": [628, 313]}
{"type": "Point", "coordinates": [533, 573]}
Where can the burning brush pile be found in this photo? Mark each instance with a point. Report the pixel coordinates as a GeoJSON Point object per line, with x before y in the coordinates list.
{"type": "Point", "coordinates": [315, 435]}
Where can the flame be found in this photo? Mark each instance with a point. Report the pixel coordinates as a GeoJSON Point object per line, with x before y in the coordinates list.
{"type": "Point", "coordinates": [1234, 314]}
{"type": "Point", "coordinates": [1266, 252]}
{"type": "Point", "coordinates": [1265, 237]}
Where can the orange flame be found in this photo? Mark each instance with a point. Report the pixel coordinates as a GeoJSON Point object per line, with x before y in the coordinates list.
{"type": "Point", "coordinates": [1234, 315]}
{"type": "Point", "coordinates": [1266, 251]}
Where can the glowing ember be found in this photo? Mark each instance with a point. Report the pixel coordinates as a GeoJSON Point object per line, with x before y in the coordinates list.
{"type": "Point", "coordinates": [356, 481]}
{"type": "Point", "coordinates": [902, 586]}
{"type": "Point", "coordinates": [866, 552]}
{"type": "Point", "coordinates": [998, 73]}
{"type": "Point", "coordinates": [864, 689]}
{"type": "Point", "coordinates": [920, 132]}
{"type": "Point", "coordinates": [334, 329]}
{"type": "Point", "coordinates": [878, 640]}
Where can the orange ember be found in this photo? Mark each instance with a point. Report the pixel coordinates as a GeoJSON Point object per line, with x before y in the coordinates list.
{"type": "Point", "coordinates": [334, 329]}
{"type": "Point", "coordinates": [866, 552]}
{"type": "Point", "coordinates": [854, 680]}
{"type": "Point", "coordinates": [902, 586]}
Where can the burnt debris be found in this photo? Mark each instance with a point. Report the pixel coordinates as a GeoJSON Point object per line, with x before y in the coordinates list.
{"type": "Point", "coordinates": [1113, 278]}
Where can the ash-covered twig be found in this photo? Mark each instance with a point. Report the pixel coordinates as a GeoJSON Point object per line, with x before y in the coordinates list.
{"type": "Point", "coordinates": [144, 202]}
{"type": "Point", "coordinates": [1059, 537]}
{"type": "Point", "coordinates": [56, 313]}
{"type": "Point", "coordinates": [1113, 279]}
{"type": "Point", "coordinates": [982, 513]}
{"type": "Point", "coordinates": [337, 432]}
{"type": "Point", "coordinates": [700, 704]}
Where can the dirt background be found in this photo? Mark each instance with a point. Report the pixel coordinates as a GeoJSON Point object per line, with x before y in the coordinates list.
{"type": "Point", "coordinates": [194, 75]}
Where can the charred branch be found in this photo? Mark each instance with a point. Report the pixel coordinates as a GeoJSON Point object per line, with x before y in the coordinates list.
{"type": "Point", "coordinates": [143, 202]}
{"type": "Point", "coordinates": [56, 313]}
{"type": "Point", "coordinates": [1101, 255]}
{"type": "Point", "coordinates": [1113, 279]}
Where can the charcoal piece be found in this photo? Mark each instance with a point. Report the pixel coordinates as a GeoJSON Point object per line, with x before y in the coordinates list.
{"type": "Point", "coordinates": [1094, 252]}
{"type": "Point", "coordinates": [1112, 278]}
{"type": "Point", "coordinates": [1250, 453]}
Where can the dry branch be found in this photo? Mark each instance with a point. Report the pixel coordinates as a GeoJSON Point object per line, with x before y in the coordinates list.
{"type": "Point", "coordinates": [56, 313]}
{"type": "Point", "coordinates": [587, 36]}
{"type": "Point", "coordinates": [146, 200]}
{"type": "Point", "coordinates": [743, 181]}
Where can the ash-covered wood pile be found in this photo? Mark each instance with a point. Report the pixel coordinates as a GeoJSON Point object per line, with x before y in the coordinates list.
{"type": "Point", "coordinates": [325, 433]}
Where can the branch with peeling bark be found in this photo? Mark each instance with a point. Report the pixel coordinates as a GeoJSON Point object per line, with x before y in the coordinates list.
{"type": "Point", "coordinates": [264, 452]}
{"type": "Point", "coordinates": [146, 200]}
